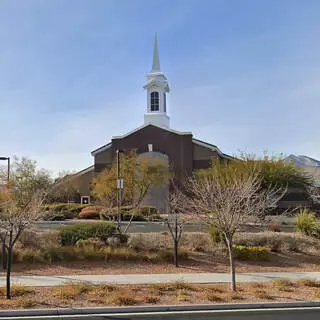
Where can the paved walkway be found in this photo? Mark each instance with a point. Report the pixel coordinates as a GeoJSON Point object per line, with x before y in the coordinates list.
{"type": "Point", "coordinates": [44, 281]}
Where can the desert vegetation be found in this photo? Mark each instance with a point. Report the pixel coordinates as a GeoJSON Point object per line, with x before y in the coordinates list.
{"type": "Point", "coordinates": [179, 292]}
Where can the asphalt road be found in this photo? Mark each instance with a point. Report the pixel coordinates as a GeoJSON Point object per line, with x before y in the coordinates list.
{"type": "Point", "coordinates": [145, 227]}
{"type": "Point", "coordinates": [309, 313]}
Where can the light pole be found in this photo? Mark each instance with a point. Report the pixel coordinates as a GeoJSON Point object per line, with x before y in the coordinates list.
{"type": "Point", "coordinates": [119, 189]}
{"type": "Point", "coordinates": [4, 260]}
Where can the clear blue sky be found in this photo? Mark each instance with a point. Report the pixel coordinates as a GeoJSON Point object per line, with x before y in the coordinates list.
{"type": "Point", "coordinates": [244, 75]}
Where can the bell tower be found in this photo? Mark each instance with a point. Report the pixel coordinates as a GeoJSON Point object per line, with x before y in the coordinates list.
{"type": "Point", "coordinates": [157, 87]}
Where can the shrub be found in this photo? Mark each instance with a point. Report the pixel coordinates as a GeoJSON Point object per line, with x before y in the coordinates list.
{"type": "Point", "coordinates": [309, 283]}
{"type": "Point", "coordinates": [29, 255]}
{"type": "Point", "coordinates": [82, 231]}
{"type": "Point", "coordinates": [144, 213]}
{"type": "Point", "coordinates": [250, 253]}
{"type": "Point", "coordinates": [283, 282]}
{"type": "Point", "coordinates": [49, 239]}
{"type": "Point", "coordinates": [167, 255]}
{"type": "Point", "coordinates": [67, 210]}
{"type": "Point", "coordinates": [216, 235]}
{"type": "Point", "coordinates": [212, 297]}
{"type": "Point", "coordinates": [94, 242]}
{"type": "Point", "coordinates": [51, 215]}
{"type": "Point", "coordinates": [152, 299]}
{"type": "Point", "coordinates": [70, 291]}
{"type": "Point", "coordinates": [18, 291]}
{"type": "Point", "coordinates": [123, 299]}
{"type": "Point", "coordinates": [30, 239]}
{"type": "Point", "coordinates": [149, 241]}
{"type": "Point", "coordinates": [274, 227]}
{"type": "Point", "coordinates": [26, 303]}
{"type": "Point", "coordinates": [307, 223]}
{"type": "Point", "coordinates": [91, 212]}
{"type": "Point", "coordinates": [57, 254]}
{"type": "Point", "coordinates": [262, 294]}
{"type": "Point", "coordinates": [196, 241]}
{"type": "Point", "coordinates": [278, 241]}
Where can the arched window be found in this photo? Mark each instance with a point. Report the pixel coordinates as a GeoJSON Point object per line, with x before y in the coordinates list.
{"type": "Point", "coordinates": [154, 101]}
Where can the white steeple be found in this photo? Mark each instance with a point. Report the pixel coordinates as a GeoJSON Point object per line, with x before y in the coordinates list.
{"type": "Point", "coordinates": [157, 87]}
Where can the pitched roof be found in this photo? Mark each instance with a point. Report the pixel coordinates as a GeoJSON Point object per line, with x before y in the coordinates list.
{"type": "Point", "coordinates": [212, 147]}
{"type": "Point", "coordinates": [107, 146]}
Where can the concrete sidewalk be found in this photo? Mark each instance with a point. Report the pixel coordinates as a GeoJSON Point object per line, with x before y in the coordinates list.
{"type": "Point", "coordinates": [44, 281]}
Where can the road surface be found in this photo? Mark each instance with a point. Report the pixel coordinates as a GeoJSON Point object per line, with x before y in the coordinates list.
{"type": "Point", "coordinates": [281, 313]}
{"type": "Point", "coordinates": [145, 227]}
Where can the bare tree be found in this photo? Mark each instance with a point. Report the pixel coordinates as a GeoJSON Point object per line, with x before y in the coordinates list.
{"type": "Point", "coordinates": [175, 221]}
{"type": "Point", "coordinates": [14, 219]}
{"type": "Point", "coordinates": [226, 197]}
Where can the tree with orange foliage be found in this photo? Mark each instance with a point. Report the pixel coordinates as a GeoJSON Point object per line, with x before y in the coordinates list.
{"type": "Point", "coordinates": [139, 175]}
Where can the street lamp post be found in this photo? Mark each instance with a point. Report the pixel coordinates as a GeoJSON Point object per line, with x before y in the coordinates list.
{"type": "Point", "coordinates": [4, 260]}
{"type": "Point", "coordinates": [119, 189]}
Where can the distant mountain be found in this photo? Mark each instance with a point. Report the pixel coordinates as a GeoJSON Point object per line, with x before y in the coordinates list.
{"type": "Point", "coordinates": [303, 161]}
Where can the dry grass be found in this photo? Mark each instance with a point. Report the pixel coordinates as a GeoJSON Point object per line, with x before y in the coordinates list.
{"type": "Point", "coordinates": [152, 299]}
{"type": "Point", "coordinates": [309, 283]}
{"type": "Point", "coordinates": [317, 293]}
{"type": "Point", "coordinates": [212, 297]}
{"type": "Point", "coordinates": [264, 295]}
{"type": "Point", "coordinates": [70, 291]}
{"type": "Point", "coordinates": [17, 291]}
{"type": "Point", "coordinates": [283, 282]}
{"type": "Point", "coordinates": [258, 285]}
{"type": "Point", "coordinates": [236, 296]}
{"type": "Point", "coordinates": [124, 299]}
{"type": "Point", "coordinates": [75, 295]}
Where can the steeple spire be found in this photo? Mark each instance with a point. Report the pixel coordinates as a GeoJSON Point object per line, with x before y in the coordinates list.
{"type": "Point", "coordinates": [157, 88]}
{"type": "Point", "coordinates": [156, 61]}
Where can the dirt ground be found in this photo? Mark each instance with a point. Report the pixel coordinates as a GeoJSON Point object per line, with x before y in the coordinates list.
{"type": "Point", "coordinates": [197, 262]}
{"type": "Point", "coordinates": [82, 295]}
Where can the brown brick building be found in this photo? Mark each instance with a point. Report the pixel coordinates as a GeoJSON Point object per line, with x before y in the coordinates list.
{"type": "Point", "coordinates": [183, 151]}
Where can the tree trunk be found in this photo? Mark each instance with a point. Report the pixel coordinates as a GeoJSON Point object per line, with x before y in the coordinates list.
{"type": "Point", "coordinates": [232, 267]}
{"type": "Point", "coordinates": [4, 260]}
{"type": "Point", "coordinates": [9, 262]}
{"type": "Point", "coordinates": [175, 253]}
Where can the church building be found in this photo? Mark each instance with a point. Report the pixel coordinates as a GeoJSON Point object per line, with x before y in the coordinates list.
{"type": "Point", "coordinates": [155, 137]}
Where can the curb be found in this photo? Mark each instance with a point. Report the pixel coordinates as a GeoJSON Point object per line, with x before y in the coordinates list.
{"type": "Point", "coordinates": [173, 308]}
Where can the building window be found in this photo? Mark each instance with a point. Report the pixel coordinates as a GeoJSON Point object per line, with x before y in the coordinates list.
{"type": "Point", "coordinates": [154, 101]}
{"type": "Point", "coordinates": [164, 103]}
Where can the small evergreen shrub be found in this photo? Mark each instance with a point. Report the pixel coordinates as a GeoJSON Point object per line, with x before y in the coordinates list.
{"type": "Point", "coordinates": [62, 211]}
{"type": "Point", "coordinates": [216, 235]}
{"type": "Point", "coordinates": [307, 223]}
{"type": "Point", "coordinates": [250, 253]}
{"type": "Point", "coordinates": [81, 231]}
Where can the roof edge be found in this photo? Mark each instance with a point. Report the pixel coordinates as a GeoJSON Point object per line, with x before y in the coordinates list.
{"type": "Point", "coordinates": [212, 147]}
{"type": "Point", "coordinates": [103, 148]}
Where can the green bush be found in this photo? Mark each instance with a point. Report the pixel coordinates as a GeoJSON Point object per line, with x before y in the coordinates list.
{"type": "Point", "coordinates": [94, 242]}
{"type": "Point", "coordinates": [144, 213]}
{"type": "Point", "coordinates": [216, 235]}
{"type": "Point", "coordinates": [62, 211]}
{"type": "Point", "coordinates": [307, 223]}
{"type": "Point", "coordinates": [82, 231]}
{"type": "Point", "coordinates": [250, 253]}
{"type": "Point", "coordinates": [50, 215]}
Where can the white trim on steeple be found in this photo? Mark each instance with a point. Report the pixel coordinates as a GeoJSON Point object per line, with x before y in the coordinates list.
{"type": "Point", "coordinates": [157, 87]}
